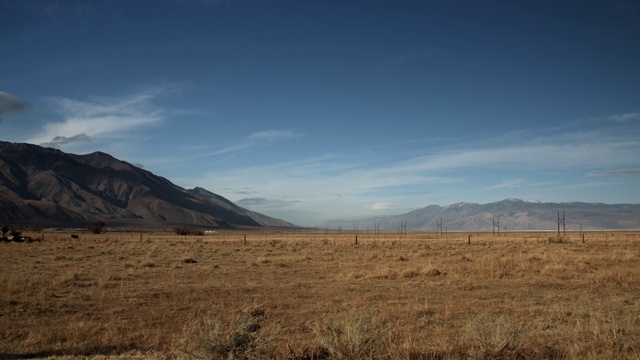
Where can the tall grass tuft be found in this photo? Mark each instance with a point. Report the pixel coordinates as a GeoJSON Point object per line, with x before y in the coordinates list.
{"type": "Point", "coordinates": [351, 336]}
{"type": "Point", "coordinates": [494, 338]}
{"type": "Point", "coordinates": [220, 337]}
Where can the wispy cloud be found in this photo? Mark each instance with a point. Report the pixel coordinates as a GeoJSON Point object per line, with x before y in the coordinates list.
{"type": "Point", "coordinates": [203, 151]}
{"type": "Point", "coordinates": [531, 163]}
{"type": "Point", "coordinates": [83, 120]}
{"type": "Point", "coordinates": [625, 117]}
{"type": "Point", "coordinates": [506, 184]}
{"type": "Point", "coordinates": [349, 176]}
{"type": "Point", "coordinates": [418, 193]}
{"type": "Point", "coordinates": [569, 154]}
{"type": "Point", "coordinates": [382, 205]}
{"type": "Point", "coordinates": [262, 203]}
{"type": "Point", "coordinates": [253, 140]}
{"type": "Point", "coordinates": [63, 140]}
{"type": "Point", "coordinates": [245, 192]}
{"type": "Point", "coordinates": [623, 171]}
{"type": "Point", "coordinates": [10, 104]}
{"type": "Point", "coordinates": [271, 135]}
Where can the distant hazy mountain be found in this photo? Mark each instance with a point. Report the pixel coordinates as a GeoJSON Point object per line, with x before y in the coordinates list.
{"type": "Point", "coordinates": [47, 187]}
{"type": "Point", "coordinates": [514, 214]}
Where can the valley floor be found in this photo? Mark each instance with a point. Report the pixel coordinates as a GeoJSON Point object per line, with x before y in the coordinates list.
{"type": "Point", "coordinates": [312, 295]}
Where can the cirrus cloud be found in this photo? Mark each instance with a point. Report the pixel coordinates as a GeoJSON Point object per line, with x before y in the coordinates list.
{"type": "Point", "coordinates": [97, 117]}
{"type": "Point", "coordinates": [267, 136]}
{"type": "Point", "coordinates": [260, 202]}
{"type": "Point", "coordinates": [623, 171]}
{"type": "Point", "coordinates": [624, 117]}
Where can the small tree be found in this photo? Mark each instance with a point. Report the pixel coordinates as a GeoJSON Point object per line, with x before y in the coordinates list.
{"type": "Point", "coordinates": [183, 230]}
{"type": "Point", "coordinates": [96, 226]}
{"type": "Point", "coordinates": [187, 230]}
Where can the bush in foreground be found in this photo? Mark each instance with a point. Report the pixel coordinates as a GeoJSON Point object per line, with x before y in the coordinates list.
{"type": "Point", "coordinates": [352, 336]}
{"type": "Point", "coordinates": [216, 336]}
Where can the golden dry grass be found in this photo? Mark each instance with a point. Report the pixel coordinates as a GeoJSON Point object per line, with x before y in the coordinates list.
{"type": "Point", "coordinates": [303, 296]}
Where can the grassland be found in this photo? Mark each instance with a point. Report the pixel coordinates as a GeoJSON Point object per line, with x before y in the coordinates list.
{"type": "Point", "coordinates": [313, 295]}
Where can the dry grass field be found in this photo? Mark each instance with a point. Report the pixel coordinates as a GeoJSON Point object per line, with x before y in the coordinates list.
{"type": "Point", "coordinates": [316, 296]}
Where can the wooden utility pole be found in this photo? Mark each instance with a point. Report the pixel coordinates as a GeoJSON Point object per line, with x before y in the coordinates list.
{"type": "Point", "coordinates": [496, 225]}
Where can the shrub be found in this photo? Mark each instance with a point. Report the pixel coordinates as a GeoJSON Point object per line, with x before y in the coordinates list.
{"type": "Point", "coordinates": [13, 235]}
{"type": "Point", "coordinates": [96, 227]}
{"type": "Point", "coordinates": [351, 336]}
{"type": "Point", "coordinates": [182, 230]}
{"type": "Point", "coordinates": [558, 240]}
{"type": "Point", "coordinates": [220, 337]}
{"type": "Point", "coordinates": [494, 337]}
{"type": "Point", "coordinates": [186, 230]}
{"type": "Point", "coordinates": [5, 229]}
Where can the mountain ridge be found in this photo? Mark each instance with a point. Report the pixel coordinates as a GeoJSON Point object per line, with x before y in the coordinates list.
{"type": "Point", "coordinates": [47, 187]}
{"type": "Point", "coordinates": [514, 214]}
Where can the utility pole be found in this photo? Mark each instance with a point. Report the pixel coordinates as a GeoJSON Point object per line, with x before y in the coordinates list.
{"type": "Point", "coordinates": [496, 225]}
{"type": "Point", "coordinates": [561, 221]}
{"type": "Point", "coordinates": [403, 228]}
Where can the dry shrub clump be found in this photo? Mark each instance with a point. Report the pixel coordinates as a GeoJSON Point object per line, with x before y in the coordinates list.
{"type": "Point", "coordinates": [351, 336]}
{"type": "Point", "coordinates": [219, 336]}
{"type": "Point", "coordinates": [494, 338]}
{"type": "Point", "coordinates": [603, 336]}
{"type": "Point", "coordinates": [558, 240]}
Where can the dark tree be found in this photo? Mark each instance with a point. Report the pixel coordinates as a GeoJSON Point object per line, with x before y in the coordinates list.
{"type": "Point", "coordinates": [96, 226]}
{"type": "Point", "coordinates": [186, 230]}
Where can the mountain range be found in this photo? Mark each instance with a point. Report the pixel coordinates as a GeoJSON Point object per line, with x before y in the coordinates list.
{"type": "Point", "coordinates": [46, 187]}
{"type": "Point", "coordinates": [510, 214]}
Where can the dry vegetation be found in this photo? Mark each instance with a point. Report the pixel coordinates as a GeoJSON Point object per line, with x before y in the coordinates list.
{"type": "Point", "coordinates": [316, 296]}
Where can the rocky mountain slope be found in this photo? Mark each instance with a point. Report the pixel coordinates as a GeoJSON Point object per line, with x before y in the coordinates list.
{"type": "Point", "coordinates": [512, 214]}
{"type": "Point", "coordinates": [47, 187]}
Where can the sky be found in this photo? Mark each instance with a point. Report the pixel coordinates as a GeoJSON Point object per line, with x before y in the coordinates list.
{"type": "Point", "coordinates": [325, 110]}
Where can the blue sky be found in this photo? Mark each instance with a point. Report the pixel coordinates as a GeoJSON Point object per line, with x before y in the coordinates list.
{"type": "Point", "coordinates": [317, 110]}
